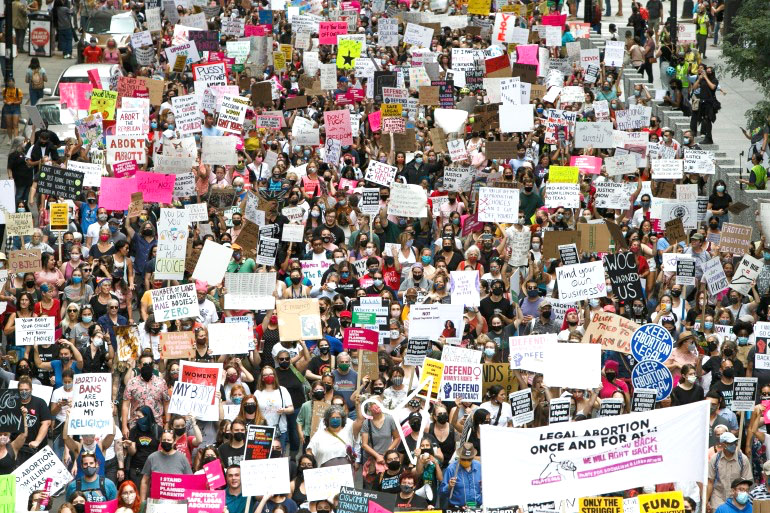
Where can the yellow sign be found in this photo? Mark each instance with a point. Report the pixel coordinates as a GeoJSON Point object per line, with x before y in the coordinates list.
{"type": "Point", "coordinates": [348, 51]}
{"type": "Point", "coordinates": [288, 51]}
{"type": "Point", "coordinates": [665, 502]}
{"type": "Point", "coordinates": [431, 369]}
{"type": "Point", "coordinates": [543, 8]}
{"type": "Point", "coordinates": [103, 102]}
{"type": "Point", "coordinates": [60, 217]}
{"type": "Point", "coordinates": [279, 61]}
{"type": "Point", "coordinates": [563, 174]}
{"type": "Point", "coordinates": [480, 7]}
{"type": "Point", "coordinates": [391, 110]}
{"type": "Point", "coordinates": [179, 63]}
{"type": "Point", "coordinates": [601, 505]}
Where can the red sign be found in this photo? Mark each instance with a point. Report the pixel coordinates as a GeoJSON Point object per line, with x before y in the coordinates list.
{"type": "Point", "coordinates": [39, 36]}
{"type": "Point", "coordinates": [174, 486]}
{"type": "Point", "coordinates": [124, 169]}
{"type": "Point", "coordinates": [360, 338]}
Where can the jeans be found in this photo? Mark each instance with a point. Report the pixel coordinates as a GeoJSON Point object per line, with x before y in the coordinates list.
{"type": "Point", "coordinates": [717, 26]}
{"type": "Point", "coordinates": [293, 436]}
{"type": "Point", "coordinates": [646, 66]}
{"type": "Point", "coordinates": [65, 41]}
{"type": "Point", "coordinates": [608, 10]}
{"type": "Point", "coordinates": [35, 95]}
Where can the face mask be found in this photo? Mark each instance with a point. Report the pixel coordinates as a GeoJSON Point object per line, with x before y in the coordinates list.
{"type": "Point", "coordinates": [610, 376]}
{"type": "Point", "coordinates": [692, 379]}
{"type": "Point", "coordinates": [250, 407]}
{"type": "Point", "coordinates": [295, 280]}
{"type": "Point", "coordinates": [239, 437]}
{"type": "Point", "coordinates": [593, 302]}
{"type": "Point", "coordinates": [708, 325]}
{"type": "Point", "coordinates": [335, 422]}
{"type": "Point", "coordinates": [729, 372]}
{"type": "Point", "coordinates": [146, 372]}
{"type": "Point", "coordinates": [676, 293]}
{"type": "Point", "coordinates": [270, 379]}
{"type": "Point", "coordinates": [154, 125]}
{"type": "Point", "coordinates": [528, 188]}
{"type": "Point", "coordinates": [315, 213]}
{"type": "Point", "coordinates": [102, 217]}
{"type": "Point", "coordinates": [532, 293]}
{"type": "Point", "coordinates": [397, 381]}
{"type": "Point", "coordinates": [743, 341]}
{"type": "Point", "coordinates": [378, 390]}
{"type": "Point", "coordinates": [686, 140]}
{"type": "Point", "coordinates": [318, 395]}
{"type": "Point", "coordinates": [166, 446]}
{"type": "Point", "coordinates": [489, 353]}
{"type": "Point", "coordinates": [104, 237]}
{"type": "Point", "coordinates": [90, 471]}
{"type": "Point", "coordinates": [378, 282]}
{"type": "Point", "coordinates": [25, 395]}
{"type": "Point", "coordinates": [180, 431]}
{"type": "Point", "coordinates": [720, 188]}
{"type": "Point", "coordinates": [409, 488]}
{"type": "Point", "coordinates": [344, 367]}
{"type": "Point", "coordinates": [742, 497]}
{"type": "Point", "coordinates": [731, 447]}
{"type": "Point", "coordinates": [284, 365]}
{"type": "Point", "coordinates": [77, 279]}
{"type": "Point", "coordinates": [232, 378]}
{"type": "Point", "coordinates": [466, 464]}
{"type": "Point", "coordinates": [546, 314]}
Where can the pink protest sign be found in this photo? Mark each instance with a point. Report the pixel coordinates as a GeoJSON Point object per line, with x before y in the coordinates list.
{"type": "Point", "coordinates": [337, 123]}
{"type": "Point", "coordinates": [124, 169]}
{"type": "Point", "coordinates": [555, 20]}
{"type": "Point", "coordinates": [587, 164]}
{"type": "Point", "coordinates": [257, 30]}
{"type": "Point", "coordinates": [205, 501]}
{"type": "Point", "coordinates": [93, 78]}
{"type": "Point", "coordinates": [347, 184]}
{"type": "Point", "coordinates": [344, 98]}
{"type": "Point", "coordinates": [375, 120]}
{"type": "Point", "coordinates": [75, 95]}
{"type": "Point", "coordinates": [328, 31]}
{"type": "Point", "coordinates": [376, 508]}
{"type": "Point", "coordinates": [350, 6]}
{"type": "Point", "coordinates": [156, 187]}
{"type": "Point", "coordinates": [102, 507]}
{"type": "Point", "coordinates": [526, 54]}
{"type": "Point", "coordinates": [357, 94]}
{"type": "Point", "coordinates": [115, 193]}
{"type": "Point", "coordinates": [360, 338]}
{"type": "Point", "coordinates": [174, 486]}
{"type": "Point", "coordinates": [214, 474]}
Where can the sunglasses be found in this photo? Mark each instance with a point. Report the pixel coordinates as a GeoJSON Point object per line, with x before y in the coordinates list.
{"type": "Point", "coordinates": [284, 359]}
{"type": "Point", "coordinates": [72, 311]}
{"type": "Point", "coordinates": [113, 308]}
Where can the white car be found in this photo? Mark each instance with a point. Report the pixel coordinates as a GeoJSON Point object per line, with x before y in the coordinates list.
{"type": "Point", "coordinates": [108, 73]}
{"type": "Point", "coordinates": [108, 24]}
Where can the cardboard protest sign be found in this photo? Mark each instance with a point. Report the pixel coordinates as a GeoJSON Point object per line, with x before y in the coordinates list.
{"type": "Point", "coordinates": [610, 330]}
{"type": "Point", "coordinates": [298, 319]}
{"type": "Point", "coordinates": [735, 239]}
{"type": "Point", "coordinates": [177, 345]}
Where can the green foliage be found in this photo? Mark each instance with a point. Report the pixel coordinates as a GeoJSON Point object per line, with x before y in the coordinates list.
{"type": "Point", "coordinates": [747, 53]}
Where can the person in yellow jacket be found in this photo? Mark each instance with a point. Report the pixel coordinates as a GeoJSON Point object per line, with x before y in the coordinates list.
{"type": "Point", "coordinates": [702, 30]}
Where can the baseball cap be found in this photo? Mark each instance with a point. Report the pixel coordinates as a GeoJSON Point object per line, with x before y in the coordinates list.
{"type": "Point", "coordinates": [697, 236]}
{"type": "Point", "coordinates": [727, 438]}
{"type": "Point", "coordinates": [346, 314]}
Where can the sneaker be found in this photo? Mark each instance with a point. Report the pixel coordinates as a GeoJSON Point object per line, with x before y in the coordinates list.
{"type": "Point", "coordinates": [67, 56]}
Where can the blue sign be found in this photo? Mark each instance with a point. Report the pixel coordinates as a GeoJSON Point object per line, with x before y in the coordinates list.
{"type": "Point", "coordinates": [651, 342]}
{"type": "Point", "coordinates": [653, 374]}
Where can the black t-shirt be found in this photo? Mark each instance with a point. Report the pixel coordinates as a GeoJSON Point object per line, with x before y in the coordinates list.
{"type": "Point", "coordinates": [317, 366]}
{"type": "Point", "coordinates": [415, 503]}
{"type": "Point", "coordinates": [146, 444]}
{"type": "Point", "coordinates": [389, 483]}
{"type": "Point", "coordinates": [339, 235]}
{"type": "Point", "coordinates": [488, 308]}
{"type": "Point", "coordinates": [720, 202]}
{"type": "Point", "coordinates": [714, 364]}
{"type": "Point", "coordinates": [229, 455]}
{"type": "Point", "coordinates": [289, 380]}
{"type": "Point", "coordinates": [681, 396]}
{"type": "Point", "coordinates": [720, 14]}
{"type": "Point", "coordinates": [17, 163]}
{"type": "Point", "coordinates": [47, 354]}
{"type": "Point", "coordinates": [726, 391]}
{"type": "Point", "coordinates": [37, 413]}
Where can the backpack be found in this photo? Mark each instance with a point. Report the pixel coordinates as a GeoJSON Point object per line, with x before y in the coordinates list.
{"type": "Point", "coordinates": [102, 488]}
{"type": "Point", "coordinates": [36, 81]}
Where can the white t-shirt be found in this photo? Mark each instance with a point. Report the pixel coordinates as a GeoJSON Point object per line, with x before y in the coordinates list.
{"type": "Point", "coordinates": [326, 447]}
{"type": "Point", "coordinates": [269, 404]}
{"type": "Point", "coordinates": [57, 396]}
{"type": "Point", "coordinates": [505, 416]}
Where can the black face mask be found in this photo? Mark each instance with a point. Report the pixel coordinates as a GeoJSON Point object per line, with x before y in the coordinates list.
{"type": "Point", "coordinates": [250, 408]}
{"type": "Point", "coordinates": [378, 390]}
{"type": "Point", "coordinates": [442, 418]}
{"type": "Point", "coordinates": [166, 446]}
{"type": "Point", "coordinates": [729, 372]}
{"type": "Point", "coordinates": [323, 350]}
{"type": "Point", "coordinates": [146, 371]}
{"type": "Point", "coordinates": [328, 387]}
{"type": "Point", "coordinates": [180, 431]}
{"type": "Point", "coordinates": [80, 508]}
{"type": "Point", "coordinates": [239, 437]}
{"type": "Point", "coordinates": [394, 465]}
{"type": "Point", "coordinates": [610, 376]}
{"type": "Point", "coordinates": [318, 394]}
{"type": "Point", "coordinates": [30, 284]}
{"type": "Point", "coordinates": [546, 314]}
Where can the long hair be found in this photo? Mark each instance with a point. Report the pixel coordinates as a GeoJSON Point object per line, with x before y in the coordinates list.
{"type": "Point", "coordinates": [137, 504]}
{"type": "Point", "coordinates": [17, 144]}
{"type": "Point", "coordinates": [259, 420]}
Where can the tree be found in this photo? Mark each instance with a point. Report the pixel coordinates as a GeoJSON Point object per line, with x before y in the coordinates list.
{"type": "Point", "coordinates": [746, 53]}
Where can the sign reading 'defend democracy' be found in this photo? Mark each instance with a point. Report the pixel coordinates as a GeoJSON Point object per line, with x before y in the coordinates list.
{"type": "Point", "coordinates": [651, 342]}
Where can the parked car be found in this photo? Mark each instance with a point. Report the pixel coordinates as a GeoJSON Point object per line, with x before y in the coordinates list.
{"type": "Point", "coordinates": [79, 73]}
{"type": "Point", "coordinates": [108, 24]}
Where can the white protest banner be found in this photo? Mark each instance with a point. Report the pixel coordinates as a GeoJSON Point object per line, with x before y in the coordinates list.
{"type": "Point", "coordinates": [293, 233]}
{"type": "Point", "coordinates": [187, 115]}
{"type": "Point", "coordinates": [168, 164]}
{"type": "Point", "coordinates": [699, 161]}
{"type": "Point", "coordinates": [562, 195]}
{"type": "Point", "coordinates": [614, 52]}
{"type": "Point", "coordinates": [745, 275]}
{"type": "Point", "coordinates": [581, 281]}
{"type": "Point", "coordinates": [314, 270]}
{"type": "Point", "coordinates": [92, 173]}
{"type": "Point", "coordinates": [140, 39]}
{"type": "Point", "coordinates": [498, 205]}
{"type": "Point", "coordinates": [31, 331]}
{"type": "Point", "coordinates": [229, 338]}
{"type": "Point", "coordinates": [121, 149]}
{"type": "Point", "coordinates": [322, 483]}
{"type": "Point", "coordinates": [458, 178]}
{"type": "Point", "coordinates": [686, 211]}
{"type": "Point", "coordinates": [219, 150]}
{"type": "Point", "coordinates": [273, 477]}
{"type": "Point", "coordinates": [208, 374]}
{"type": "Point", "coordinates": [387, 32]}
{"type": "Point", "coordinates": [457, 150]}
{"type": "Point", "coordinates": [528, 352]}
{"type": "Point", "coordinates": [462, 381]}
{"type": "Point", "coordinates": [407, 200]}
{"type": "Point", "coordinates": [594, 134]}
{"type": "Point", "coordinates": [517, 118]}
{"type": "Point", "coordinates": [250, 291]}
{"type": "Point", "coordinates": [620, 165]}
{"type": "Point", "coordinates": [427, 321]}
{"type": "Point", "coordinates": [172, 244]}
{"type": "Point", "coordinates": [572, 365]}
{"type": "Point", "coordinates": [238, 50]}
{"type": "Point", "coordinates": [91, 410]}
{"type": "Point", "coordinates": [612, 195]}
{"type": "Point", "coordinates": [418, 35]}
{"type": "Point", "coordinates": [33, 474]}
{"type": "Point", "coordinates": [232, 113]}
{"type": "Point", "coordinates": [589, 56]}
{"type": "Point", "coordinates": [197, 212]}
{"type": "Point", "coordinates": [519, 243]}
{"type": "Point", "coordinates": [41, 391]}
{"type": "Point", "coordinates": [465, 288]}
{"type": "Point", "coordinates": [191, 398]}
{"type": "Point", "coordinates": [188, 49]}
{"type": "Point", "coordinates": [380, 173]}
{"type": "Point", "coordinates": [184, 185]}
{"type": "Point", "coordinates": [714, 276]}
{"type": "Point", "coordinates": [456, 354]}
{"type": "Point", "coordinates": [568, 460]}
{"type": "Point", "coordinates": [667, 169]}
{"type": "Point", "coordinates": [502, 32]}
{"type": "Point", "coordinates": [178, 302]}
{"type": "Point", "coordinates": [212, 262]}
{"type": "Point", "coordinates": [130, 122]}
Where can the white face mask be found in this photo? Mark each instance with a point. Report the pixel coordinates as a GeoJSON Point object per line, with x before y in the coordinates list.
{"type": "Point", "coordinates": [692, 379]}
